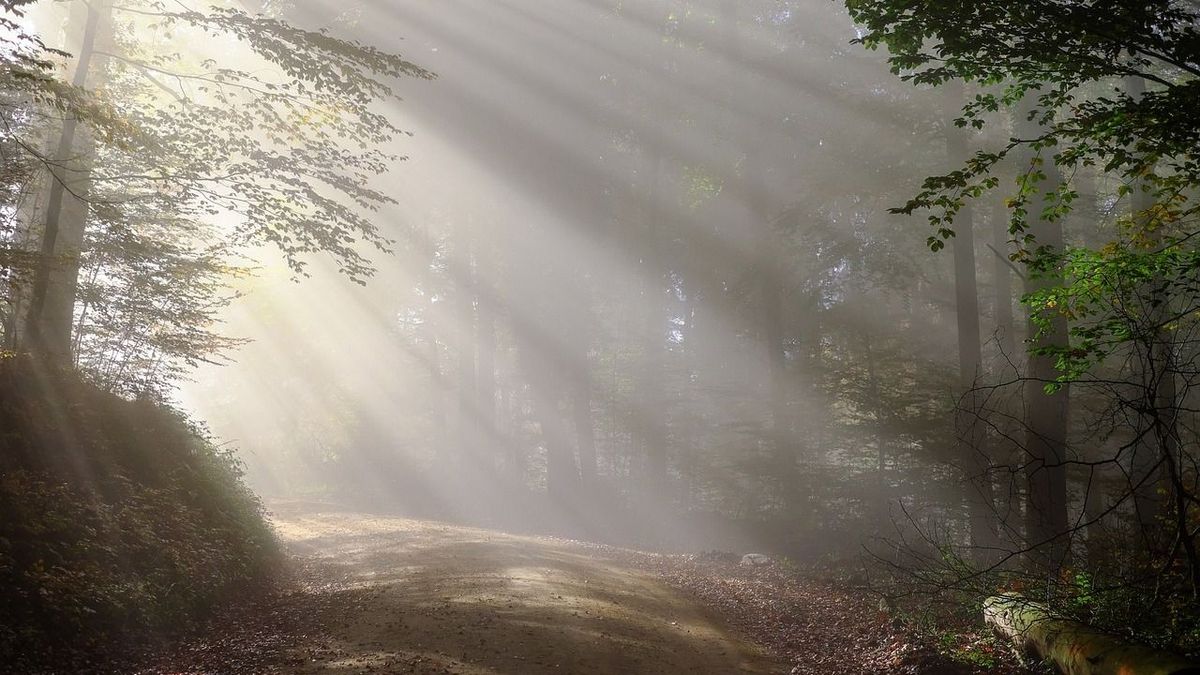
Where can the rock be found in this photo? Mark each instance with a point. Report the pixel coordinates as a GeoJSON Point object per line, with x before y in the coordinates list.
{"type": "Point", "coordinates": [718, 557]}
{"type": "Point", "coordinates": [755, 559]}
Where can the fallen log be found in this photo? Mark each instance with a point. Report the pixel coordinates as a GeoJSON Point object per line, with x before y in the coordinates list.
{"type": "Point", "coordinates": [1073, 647]}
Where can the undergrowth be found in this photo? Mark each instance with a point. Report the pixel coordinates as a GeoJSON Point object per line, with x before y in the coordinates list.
{"type": "Point", "coordinates": [120, 522]}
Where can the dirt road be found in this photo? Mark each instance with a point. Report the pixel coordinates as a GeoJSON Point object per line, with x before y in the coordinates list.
{"type": "Point", "coordinates": [434, 598]}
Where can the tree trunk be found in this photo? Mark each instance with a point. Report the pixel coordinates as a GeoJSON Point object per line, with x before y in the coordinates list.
{"type": "Point", "coordinates": [515, 456]}
{"type": "Point", "coordinates": [753, 193]}
{"type": "Point", "coordinates": [1004, 448]}
{"type": "Point", "coordinates": [1003, 290]}
{"type": "Point", "coordinates": [1075, 648]}
{"type": "Point", "coordinates": [463, 331]}
{"type": "Point", "coordinates": [883, 490]}
{"type": "Point", "coordinates": [649, 415]}
{"type": "Point", "coordinates": [433, 357]}
{"type": "Point", "coordinates": [771, 297]}
{"type": "Point", "coordinates": [584, 435]}
{"type": "Point", "coordinates": [1156, 425]}
{"type": "Point", "coordinates": [562, 473]}
{"type": "Point", "coordinates": [485, 367]}
{"type": "Point", "coordinates": [972, 452]}
{"type": "Point", "coordinates": [51, 311]}
{"type": "Point", "coordinates": [1046, 415]}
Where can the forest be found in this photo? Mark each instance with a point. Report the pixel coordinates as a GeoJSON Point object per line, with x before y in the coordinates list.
{"type": "Point", "coordinates": [599, 336]}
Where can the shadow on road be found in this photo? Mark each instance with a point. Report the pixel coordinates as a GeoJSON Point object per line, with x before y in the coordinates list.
{"type": "Point", "coordinates": [429, 597]}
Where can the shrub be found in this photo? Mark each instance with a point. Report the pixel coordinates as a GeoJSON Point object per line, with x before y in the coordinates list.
{"type": "Point", "coordinates": [120, 520]}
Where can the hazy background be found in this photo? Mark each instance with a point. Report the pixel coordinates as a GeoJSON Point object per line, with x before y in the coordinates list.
{"type": "Point", "coordinates": [655, 233]}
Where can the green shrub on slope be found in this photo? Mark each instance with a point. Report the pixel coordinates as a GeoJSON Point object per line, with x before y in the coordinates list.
{"type": "Point", "coordinates": [118, 520]}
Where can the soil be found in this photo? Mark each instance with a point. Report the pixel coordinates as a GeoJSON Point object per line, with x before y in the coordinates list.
{"type": "Point", "coordinates": [392, 595]}
{"type": "Point", "coordinates": [374, 594]}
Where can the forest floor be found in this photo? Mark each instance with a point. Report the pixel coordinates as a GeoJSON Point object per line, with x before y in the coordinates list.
{"type": "Point", "coordinates": [391, 595]}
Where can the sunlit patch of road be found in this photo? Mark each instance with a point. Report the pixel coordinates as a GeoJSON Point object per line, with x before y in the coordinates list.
{"type": "Point", "coordinates": [437, 598]}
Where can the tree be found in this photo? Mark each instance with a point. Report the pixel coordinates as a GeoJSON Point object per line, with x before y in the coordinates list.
{"type": "Point", "coordinates": [289, 150]}
{"type": "Point", "coordinates": [52, 297]}
{"type": "Point", "coordinates": [1111, 320]}
{"type": "Point", "coordinates": [970, 428]}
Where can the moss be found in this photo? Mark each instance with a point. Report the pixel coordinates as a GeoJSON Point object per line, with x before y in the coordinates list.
{"type": "Point", "coordinates": [1073, 647]}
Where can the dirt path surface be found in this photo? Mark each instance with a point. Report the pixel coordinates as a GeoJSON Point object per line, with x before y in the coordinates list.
{"type": "Point", "coordinates": [420, 597]}
{"type": "Point", "coordinates": [369, 594]}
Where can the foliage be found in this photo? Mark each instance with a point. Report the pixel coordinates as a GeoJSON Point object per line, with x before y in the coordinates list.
{"type": "Point", "coordinates": [148, 302]}
{"type": "Point", "coordinates": [1120, 296]}
{"type": "Point", "coordinates": [1096, 91]}
{"type": "Point", "coordinates": [190, 159]}
{"type": "Point", "coordinates": [120, 518]}
{"type": "Point", "coordinates": [291, 149]}
{"type": "Point", "coordinates": [1053, 53]}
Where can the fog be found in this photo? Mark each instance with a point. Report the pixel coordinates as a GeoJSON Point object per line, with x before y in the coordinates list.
{"type": "Point", "coordinates": [643, 287]}
{"type": "Point", "coordinates": [620, 336]}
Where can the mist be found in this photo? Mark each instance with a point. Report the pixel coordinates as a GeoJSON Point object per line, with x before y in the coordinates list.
{"type": "Point", "coordinates": [516, 336]}
{"type": "Point", "coordinates": [626, 263]}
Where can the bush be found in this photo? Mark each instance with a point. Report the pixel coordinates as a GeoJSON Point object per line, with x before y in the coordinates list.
{"type": "Point", "coordinates": [119, 520]}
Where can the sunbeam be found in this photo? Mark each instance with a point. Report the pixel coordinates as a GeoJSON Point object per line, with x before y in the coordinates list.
{"type": "Point", "coordinates": [599, 336]}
